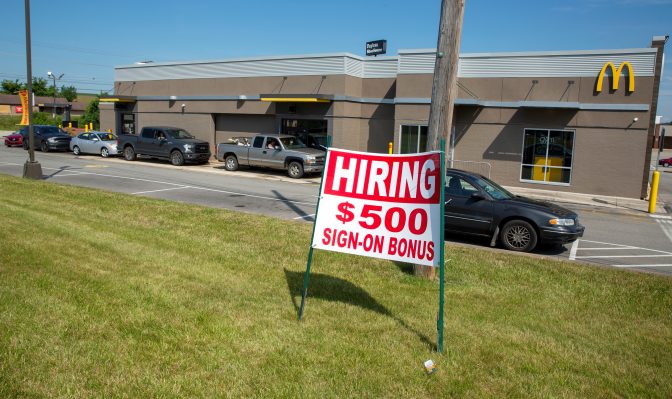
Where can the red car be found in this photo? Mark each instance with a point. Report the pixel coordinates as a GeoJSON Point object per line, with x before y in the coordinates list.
{"type": "Point", "coordinates": [14, 139]}
{"type": "Point", "coordinates": [665, 162]}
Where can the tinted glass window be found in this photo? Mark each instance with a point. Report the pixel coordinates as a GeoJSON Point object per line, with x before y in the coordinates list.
{"type": "Point", "coordinates": [84, 136]}
{"type": "Point", "coordinates": [148, 133]}
{"type": "Point", "coordinates": [456, 186]}
{"type": "Point", "coordinates": [179, 134]}
{"type": "Point", "coordinates": [495, 190]}
{"type": "Point", "coordinates": [258, 142]}
{"type": "Point", "coordinates": [413, 139]}
{"type": "Point", "coordinates": [107, 136]}
{"type": "Point", "coordinates": [48, 130]}
{"type": "Point", "coordinates": [547, 155]}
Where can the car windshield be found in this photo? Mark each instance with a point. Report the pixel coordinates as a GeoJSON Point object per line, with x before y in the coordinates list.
{"type": "Point", "coordinates": [107, 136]}
{"type": "Point", "coordinates": [179, 134]}
{"type": "Point", "coordinates": [493, 189]}
{"type": "Point", "coordinates": [48, 130]}
{"type": "Point", "coordinates": [292, 143]}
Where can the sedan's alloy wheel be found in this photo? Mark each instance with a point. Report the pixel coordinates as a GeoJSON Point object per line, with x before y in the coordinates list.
{"type": "Point", "coordinates": [518, 236]}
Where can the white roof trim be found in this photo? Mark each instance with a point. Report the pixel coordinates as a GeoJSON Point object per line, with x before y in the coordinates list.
{"type": "Point", "coordinates": [264, 58]}
{"type": "Point", "coordinates": [535, 53]}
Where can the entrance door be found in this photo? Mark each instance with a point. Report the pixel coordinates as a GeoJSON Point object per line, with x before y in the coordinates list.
{"type": "Point", "coordinates": [127, 123]}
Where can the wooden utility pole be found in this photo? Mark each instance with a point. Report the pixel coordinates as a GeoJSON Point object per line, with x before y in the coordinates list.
{"type": "Point", "coordinates": [444, 87]}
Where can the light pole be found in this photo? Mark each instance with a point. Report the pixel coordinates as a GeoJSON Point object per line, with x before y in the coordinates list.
{"type": "Point", "coordinates": [53, 107]}
{"type": "Point", "coordinates": [32, 168]}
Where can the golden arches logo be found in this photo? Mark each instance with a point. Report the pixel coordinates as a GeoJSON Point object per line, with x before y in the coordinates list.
{"type": "Point", "coordinates": [616, 74]}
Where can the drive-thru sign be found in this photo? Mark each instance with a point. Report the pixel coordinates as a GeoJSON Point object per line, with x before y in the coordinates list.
{"type": "Point", "coordinates": [382, 206]}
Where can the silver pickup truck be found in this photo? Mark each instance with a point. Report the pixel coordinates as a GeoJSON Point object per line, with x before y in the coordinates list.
{"type": "Point", "coordinates": [272, 151]}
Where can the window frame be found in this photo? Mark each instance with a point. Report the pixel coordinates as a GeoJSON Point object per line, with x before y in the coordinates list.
{"type": "Point", "coordinates": [419, 126]}
{"type": "Point", "coordinates": [548, 133]}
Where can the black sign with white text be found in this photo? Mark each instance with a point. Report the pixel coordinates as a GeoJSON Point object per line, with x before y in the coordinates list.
{"type": "Point", "coordinates": [376, 47]}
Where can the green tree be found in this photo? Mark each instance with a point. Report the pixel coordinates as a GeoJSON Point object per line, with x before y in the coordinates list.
{"type": "Point", "coordinates": [42, 88]}
{"type": "Point", "coordinates": [69, 92]}
{"type": "Point", "coordinates": [11, 86]}
{"type": "Point", "coordinates": [92, 113]}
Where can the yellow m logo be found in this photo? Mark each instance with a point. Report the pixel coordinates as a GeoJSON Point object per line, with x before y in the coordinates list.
{"type": "Point", "coordinates": [616, 76]}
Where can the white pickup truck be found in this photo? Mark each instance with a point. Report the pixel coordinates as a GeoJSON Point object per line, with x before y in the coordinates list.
{"type": "Point", "coordinates": [272, 151]}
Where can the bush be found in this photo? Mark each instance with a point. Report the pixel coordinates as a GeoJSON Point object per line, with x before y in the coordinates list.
{"type": "Point", "coordinates": [8, 122]}
{"type": "Point", "coordinates": [44, 118]}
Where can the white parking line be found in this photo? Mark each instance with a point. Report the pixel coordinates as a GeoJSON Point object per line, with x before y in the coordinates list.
{"type": "Point", "coordinates": [606, 243]}
{"type": "Point", "coordinates": [164, 189]}
{"type": "Point", "coordinates": [621, 246]}
{"type": "Point", "coordinates": [618, 248]}
{"type": "Point", "coordinates": [193, 187]}
{"type": "Point", "coordinates": [572, 252]}
{"type": "Point", "coordinates": [610, 249]}
{"type": "Point", "coordinates": [624, 256]}
{"type": "Point", "coordinates": [304, 217]}
{"type": "Point", "coordinates": [666, 225]}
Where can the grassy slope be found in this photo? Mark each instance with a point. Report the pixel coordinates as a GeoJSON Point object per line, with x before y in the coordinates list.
{"type": "Point", "coordinates": [108, 295]}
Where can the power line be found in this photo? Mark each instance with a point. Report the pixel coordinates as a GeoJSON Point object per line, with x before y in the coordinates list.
{"type": "Point", "coordinates": [92, 82]}
{"type": "Point", "coordinates": [82, 50]}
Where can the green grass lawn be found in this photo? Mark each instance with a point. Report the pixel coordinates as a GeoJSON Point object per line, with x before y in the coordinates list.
{"type": "Point", "coordinates": [109, 295]}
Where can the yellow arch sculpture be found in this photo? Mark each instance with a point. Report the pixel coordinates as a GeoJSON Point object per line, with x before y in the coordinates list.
{"type": "Point", "coordinates": [616, 72]}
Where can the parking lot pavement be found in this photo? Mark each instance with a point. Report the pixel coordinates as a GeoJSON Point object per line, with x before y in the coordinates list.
{"type": "Point", "coordinates": [265, 195]}
{"type": "Point", "coordinates": [623, 256]}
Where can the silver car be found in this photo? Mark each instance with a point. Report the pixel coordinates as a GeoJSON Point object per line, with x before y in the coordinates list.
{"type": "Point", "coordinates": [102, 143]}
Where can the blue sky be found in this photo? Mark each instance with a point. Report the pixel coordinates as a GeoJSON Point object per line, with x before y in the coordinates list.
{"type": "Point", "coordinates": [85, 39]}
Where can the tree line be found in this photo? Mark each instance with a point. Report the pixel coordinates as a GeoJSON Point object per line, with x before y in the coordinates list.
{"type": "Point", "coordinates": [41, 87]}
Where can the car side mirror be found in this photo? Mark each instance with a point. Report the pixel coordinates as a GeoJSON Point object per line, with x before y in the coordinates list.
{"type": "Point", "coordinates": [477, 196]}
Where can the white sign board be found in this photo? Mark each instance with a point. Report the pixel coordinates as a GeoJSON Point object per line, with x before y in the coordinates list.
{"type": "Point", "coordinates": [382, 206]}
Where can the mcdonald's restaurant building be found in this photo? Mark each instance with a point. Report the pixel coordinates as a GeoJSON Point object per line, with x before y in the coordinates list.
{"type": "Point", "coordinates": [577, 121]}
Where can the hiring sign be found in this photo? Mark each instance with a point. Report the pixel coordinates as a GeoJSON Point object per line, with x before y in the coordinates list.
{"type": "Point", "coordinates": [382, 206]}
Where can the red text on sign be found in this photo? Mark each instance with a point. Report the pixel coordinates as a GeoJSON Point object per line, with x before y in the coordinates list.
{"type": "Point", "coordinates": [406, 179]}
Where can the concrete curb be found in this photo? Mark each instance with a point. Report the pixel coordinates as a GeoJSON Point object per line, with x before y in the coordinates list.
{"type": "Point", "coordinates": [621, 203]}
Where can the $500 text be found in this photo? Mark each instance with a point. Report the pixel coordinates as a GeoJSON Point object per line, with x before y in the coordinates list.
{"type": "Point", "coordinates": [395, 218]}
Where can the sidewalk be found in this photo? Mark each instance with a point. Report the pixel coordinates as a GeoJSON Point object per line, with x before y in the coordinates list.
{"type": "Point", "coordinates": [629, 204]}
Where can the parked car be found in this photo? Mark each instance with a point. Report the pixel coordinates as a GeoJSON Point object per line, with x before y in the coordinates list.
{"type": "Point", "coordinates": [101, 143]}
{"type": "Point", "coordinates": [272, 151]}
{"type": "Point", "coordinates": [476, 205]}
{"type": "Point", "coordinates": [14, 139]}
{"type": "Point", "coordinates": [666, 162]}
{"type": "Point", "coordinates": [172, 143]}
{"type": "Point", "coordinates": [47, 138]}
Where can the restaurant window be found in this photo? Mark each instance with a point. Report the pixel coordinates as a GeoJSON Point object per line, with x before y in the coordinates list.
{"type": "Point", "coordinates": [412, 139]}
{"type": "Point", "coordinates": [547, 156]}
